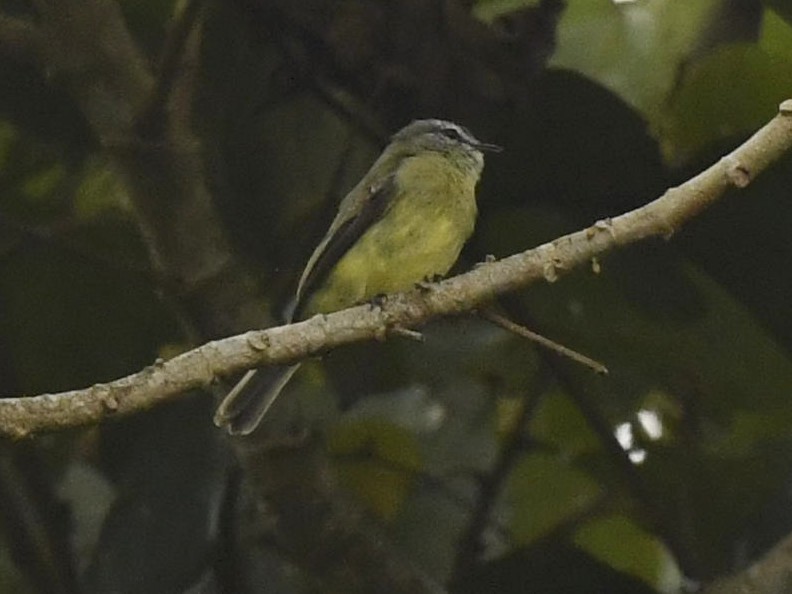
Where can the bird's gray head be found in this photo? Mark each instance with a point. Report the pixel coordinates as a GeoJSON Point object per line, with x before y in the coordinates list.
{"type": "Point", "coordinates": [454, 141]}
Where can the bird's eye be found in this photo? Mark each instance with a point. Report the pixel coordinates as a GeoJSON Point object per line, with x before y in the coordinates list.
{"type": "Point", "coordinates": [451, 133]}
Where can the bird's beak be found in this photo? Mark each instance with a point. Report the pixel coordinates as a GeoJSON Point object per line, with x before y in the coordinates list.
{"type": "Point", "coordinates": [485, 146]}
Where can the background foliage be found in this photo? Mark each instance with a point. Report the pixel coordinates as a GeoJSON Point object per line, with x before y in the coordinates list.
{"type": "Point", "coordinates": [486, 465]}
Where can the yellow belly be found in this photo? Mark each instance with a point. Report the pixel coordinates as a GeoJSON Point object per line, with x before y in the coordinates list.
{"type": "Point", "coordinates": [420, 236]}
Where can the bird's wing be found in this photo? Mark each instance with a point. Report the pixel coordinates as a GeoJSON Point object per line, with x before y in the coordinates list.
{"type": "Point", "coordinates": [344, 232]}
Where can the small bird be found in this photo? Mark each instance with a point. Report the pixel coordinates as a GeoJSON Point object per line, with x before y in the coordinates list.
{"type": "Point", "coordinates": [404, 222]}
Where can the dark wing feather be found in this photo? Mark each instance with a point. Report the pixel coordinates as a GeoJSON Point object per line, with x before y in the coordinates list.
{"type": "Point", "coordinates": [344, 238]}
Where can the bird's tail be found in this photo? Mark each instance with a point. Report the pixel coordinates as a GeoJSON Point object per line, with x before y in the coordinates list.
{"type": "Point", "coordinates": [242, 409]}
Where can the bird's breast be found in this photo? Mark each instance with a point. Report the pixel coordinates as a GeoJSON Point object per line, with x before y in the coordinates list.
{"type": "Point", "coordinates": [431, 216]}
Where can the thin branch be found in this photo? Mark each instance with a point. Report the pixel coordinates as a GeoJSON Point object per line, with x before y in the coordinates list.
{"type": "Point", "coordinates": [165, 380]}
{"type": "Point", "coordinates": [471, 543]}
{"type": "Point", "coordinates": [36, 539]}
{"type": "Point", "coordinates": [153, 115]}
{"type": "Point", "coordinates": [769, 575]}
{"type": "Point", "coordinates": [550, 345]}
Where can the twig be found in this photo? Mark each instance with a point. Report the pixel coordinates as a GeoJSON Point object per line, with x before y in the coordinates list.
{"type": "Point", "coordinates": [519, 330]}
{"type": "Point", "coordinates": [407, 333]}
{"type": "Point", "coordinates": [154, 113]}
{"type": "Point", "coordinates": [36, 539]}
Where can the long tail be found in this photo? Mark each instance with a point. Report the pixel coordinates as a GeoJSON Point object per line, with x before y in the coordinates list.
{"type": "Point", "coordinates": [242, 409]}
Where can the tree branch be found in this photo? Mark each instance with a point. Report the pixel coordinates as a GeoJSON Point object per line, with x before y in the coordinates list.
{"type": "Point", "coordinates": [769, 575]}
{"type": "Point", "coordinates": [515, 443]}
{"type": "Point", "coordinates": [153, 116]}
{"type": "Point", "coordinates": [90, 52]}
{"type": "Point", "coordinates": [165, 380]}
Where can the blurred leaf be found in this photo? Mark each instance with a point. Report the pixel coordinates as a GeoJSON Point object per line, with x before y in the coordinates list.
{"type": "Point", "coordinates": [377, 461]}
{"type": "Point", "coordinates": [633, 49]}
{"type": "Point", "coordinates": [378, 439]}
{"type": "Point", "coordinates": [89, 496]}
{"type": "Point", "coordinates": [100, 190]}
{"type": "Point", "coordinates": [617, 541]}
{"type": "Point", "coordinates": [79, 206]}
{"type": "Point", "coordinates": [776, 34]}
{"type": "Point", "coordinates": [782, 7]}
{"type": "Point", "coordinates": [559, 423]}
{"type": "Point", "coordinates": [544, 492]}
{"type": "Point", "coordinates": [730, 92]}
{"type": "Point", "coordinates": [550, 567]}
{"type": "Point", "coordinates": [34, 178]}
{"type": "Point", "coordinates": [44, 183]}
{"type": "Point", "coordinates": [489, 10]}
{"type": "Point", "coordinates": [508, 413]}
{"type": "Point", "coordinates": [412, 408]}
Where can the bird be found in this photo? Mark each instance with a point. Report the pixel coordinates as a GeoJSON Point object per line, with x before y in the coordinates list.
{"type": "Point", "coordinates": [405, 221]}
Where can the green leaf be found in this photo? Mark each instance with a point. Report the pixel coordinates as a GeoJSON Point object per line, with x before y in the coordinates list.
{"type": "Point", "coordinates": [782, 7]}
{"type": "Point", "coordinates": [545, 491]}
{"type": "Point", "coordinates": [776, 34]}
{"type": "Point", "coordinates": [634, 49]}
{"type": "Point", "coordinates": [620, 543]}
{"type": "Point", "coordinates": [730, 92]}
{"type": "Point", "coordinates": [100, 190]}
{"type": "Point", "coordinates": [558, 422]}
{"type": "Point", "coordinates": [43, 184]}
{"type": "Point", "coordinates": [488, 10]}
{"type": "Point", "coordinates": [376, 460]}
